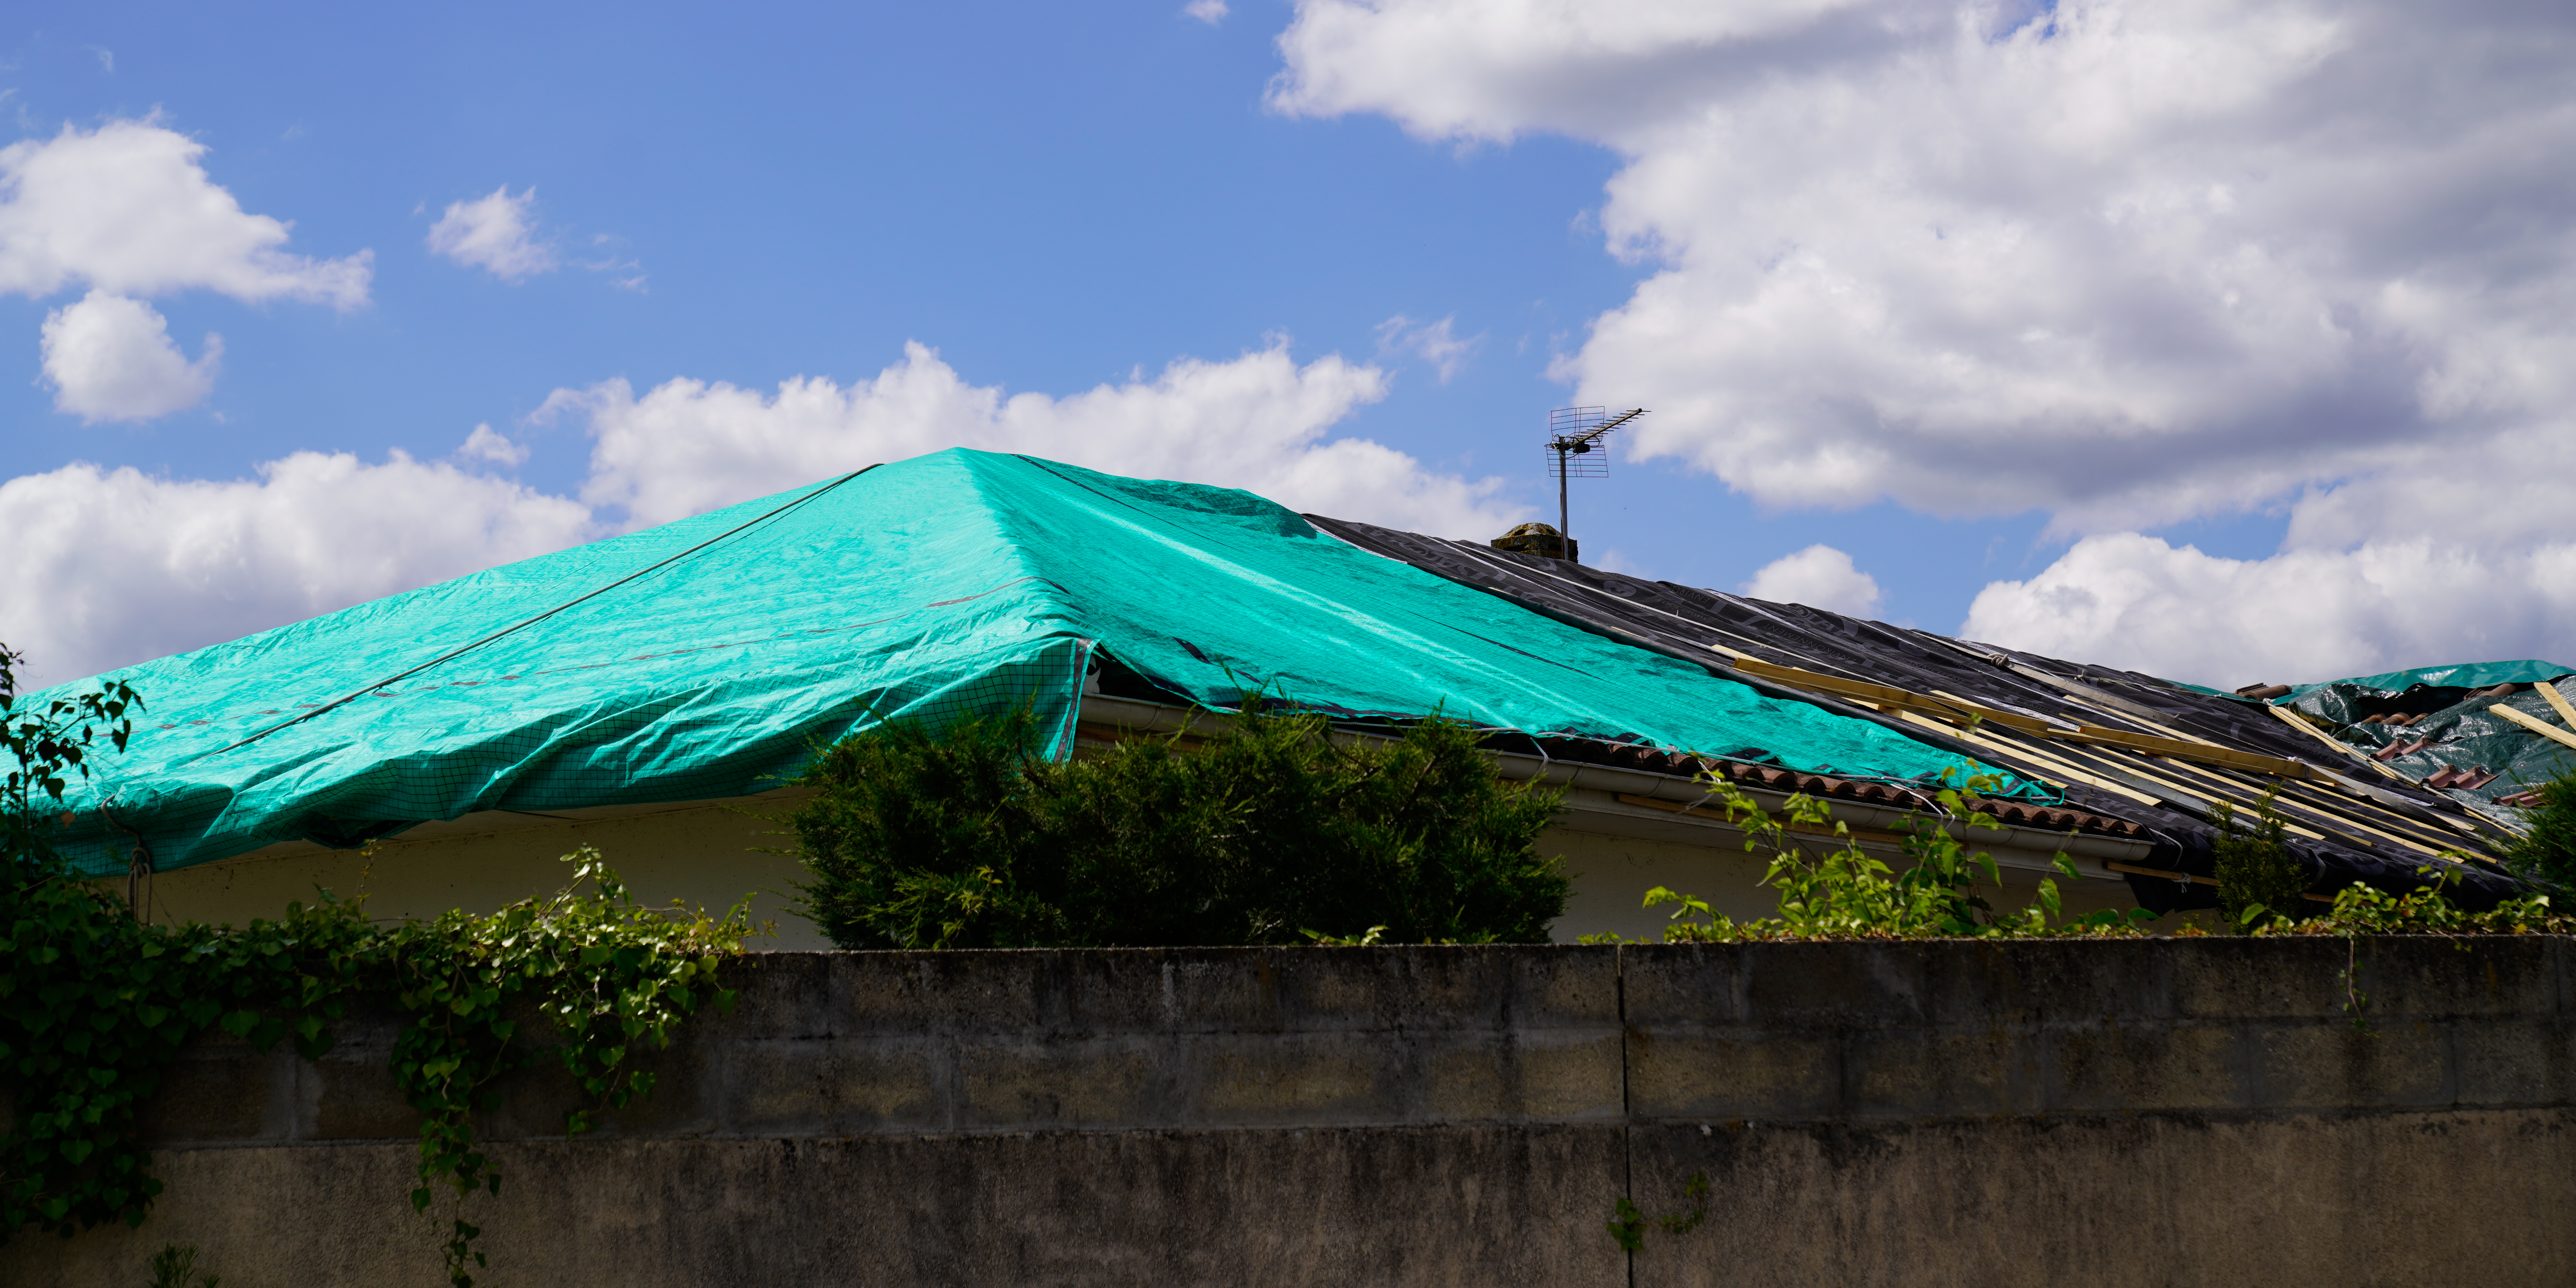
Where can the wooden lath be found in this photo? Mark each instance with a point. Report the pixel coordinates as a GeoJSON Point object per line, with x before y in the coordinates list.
{"type": "Point", "coordinates": [2545, 730]}
{"type": "Point", "coordinates": [1961, 712]}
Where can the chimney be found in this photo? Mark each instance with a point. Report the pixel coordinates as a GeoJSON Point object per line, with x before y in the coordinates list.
{"type": "Point", "coordinates": [1537, 539]}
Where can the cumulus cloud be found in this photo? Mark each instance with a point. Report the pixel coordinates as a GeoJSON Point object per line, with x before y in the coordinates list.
{"type": "Point", "coordinates": [110, 358]}
{"type": "Point", "coordinates": [2457, 559]}
{"type": "Point", "coordinates": [485, 445]}
{"type": "Point", "coordinates": [119, 566]}
{"type": "Point", "coordinates": [493, 233]}
{"type": "Point", "coordinates": [2138, 602]}
{"type": "Point", "coordinates": [127, 209]}
{"type": "Point", "coordinates": [1436, 343]}
{"type": "Point", "coordinates": [1255, 422]}
{"type": "Point", "coordinates": [1819, 577]}
{"type": "Point", "coordinates": [108, 568]}
{"type": "Point", "coordinates": [2125, 264]}
{"type": "Point", "coordinates": [1210, 12]}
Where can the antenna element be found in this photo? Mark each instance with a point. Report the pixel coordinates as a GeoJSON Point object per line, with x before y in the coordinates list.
{"type": "Point", "coordinates": [1576, 449]}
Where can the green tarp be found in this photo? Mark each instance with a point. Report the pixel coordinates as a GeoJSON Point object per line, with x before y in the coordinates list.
{"type": "Point", "coordinates": [705, 659]}
{"type": "Point", "coordinates": [2453, 728]}
{"type": "Point", "coordinates": [2461, 675]}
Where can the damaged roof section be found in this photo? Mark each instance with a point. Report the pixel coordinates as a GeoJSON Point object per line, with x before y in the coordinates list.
{"type": "Point", "coordinates": [2486, 737]}
{"type": "Point", "coordinates": [2125, 746]}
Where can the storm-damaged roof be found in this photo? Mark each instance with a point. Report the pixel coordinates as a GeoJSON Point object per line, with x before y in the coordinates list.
{"type": "Point", "coordinates": [2120, 744]}
{"type": "Point", "coordinates": [2484, 735]}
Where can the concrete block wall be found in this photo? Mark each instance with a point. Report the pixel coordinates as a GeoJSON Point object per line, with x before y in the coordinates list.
{"type": "Point", "coordinates": [2148, 1112]}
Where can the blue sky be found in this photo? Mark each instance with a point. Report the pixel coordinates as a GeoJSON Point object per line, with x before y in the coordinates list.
{"type": "Point", "coordinates": [1053, 198]}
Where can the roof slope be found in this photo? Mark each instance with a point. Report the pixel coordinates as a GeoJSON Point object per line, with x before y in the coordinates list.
{"type": "Point", "coordinates": [704, 658]}
{"type": "Point", "coordinates": [2348, 821]}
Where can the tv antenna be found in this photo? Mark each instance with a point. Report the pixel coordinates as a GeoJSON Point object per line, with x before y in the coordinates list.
{"type": "Point", "coordinates": [1576, 449]}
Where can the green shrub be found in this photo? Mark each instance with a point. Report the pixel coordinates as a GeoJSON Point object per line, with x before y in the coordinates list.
{"type": "Point", "coordinates": [1844, 893]}
{"type": "Point", "coordinates": [2549, 851]}
{"type": "Point", "coordinates": [1267, 830]}
{"type": "Point", "coordinates": [2259, 880]}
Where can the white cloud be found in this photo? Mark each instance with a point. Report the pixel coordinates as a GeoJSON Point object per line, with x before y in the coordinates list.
{"type": "Point", "coordinates": [2453, 557]}
{"type": "Point", "coordinates": [110, 358]}
{"type": "Point", "coordinates": [1434, 342]}
{"type": "Point", "coordinates": [493, 233]}
{"type": "Point", "coordinates": [2135, 601]}
{"type": "Point", "coordinates": [2125, 264]}
{"type": "Point", "coordinates": [116, 567]}
{"type": "Point", "coordinates": [625, 274]}
{"type": "Point", "coordinates": [1210, 12]}
{"type": "Point", "coordinates": [485, 445]}
{"type": "Point", "coordinates": [1819, 577]}
{"type": "Point", "coordinates": [127, 209]}
{"type": "Point", "coordinates": [108, 568]}
{"type": "Point", "coordinates": [1256, 422]}
{"type": "Point", "coordinates": [1470, 69]}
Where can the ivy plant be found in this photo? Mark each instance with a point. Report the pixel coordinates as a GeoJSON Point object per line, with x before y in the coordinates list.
{"type": "Point", "coordinates": [95, 1005]}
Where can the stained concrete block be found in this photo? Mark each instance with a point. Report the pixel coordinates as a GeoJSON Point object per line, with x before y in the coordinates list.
{"type": "Point", "coordinates": [1778, 986]}
{"type": "Point", "coordinates": [1907, 1074]}
{"type": "Point", "coordinates": [2148, 1067]}
{"type": "Point", "coordinates": [2048, 983]}
{"type": "Point", "coordinates": [2138, 1112]}
{"type": "Point", "coordinates": [837, 1088]}
{"type": "Point", "coordinates": [222, 1090]}
{"type": "Point", "coordinates": [2241, 978]}
{"type": "Point", "coordinates": [2483, 975]}
{"type": "Point", "coordinates": [1464, 1207]}
{"type": "Point", "coordinates": [1878, 985]}
{"type": "Point", "coordinates": [1745, 1073]}
{"type": "Point", "coordinates": [783, 995]}
{"type": "Point", "coordinates": [2399, 1063]}
{"type": "Point", "coordinates": [1061, 1087]}
{"type": "Point", "coordinates": [1547, 1076]}
{"type": "Point", "coordinates": [1296, 1078]}
{"type": "Point", "coordinates": [1682, 986]}
{"type": "Point", "coordinates": [2513, 1060]}
{"type": "Point", "coordinates": [2120, 1201]}
{"type": "Point", "coordinates": [349, 1094]}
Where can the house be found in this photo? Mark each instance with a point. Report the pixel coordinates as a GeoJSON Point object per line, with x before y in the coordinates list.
{"type": "Point", "coordinates": [654, 695]}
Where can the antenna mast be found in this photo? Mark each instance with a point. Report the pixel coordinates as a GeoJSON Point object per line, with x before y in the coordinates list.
{"type": "Point", "coordinates": [1576, 448]}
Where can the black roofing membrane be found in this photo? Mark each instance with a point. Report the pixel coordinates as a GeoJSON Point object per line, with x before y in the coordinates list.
{"type": "Point", "coordinates": [1685, 621]}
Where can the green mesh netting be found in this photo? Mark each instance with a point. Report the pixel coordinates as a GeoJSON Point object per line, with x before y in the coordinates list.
{"type": "Point", "coordinates": [705, 658]}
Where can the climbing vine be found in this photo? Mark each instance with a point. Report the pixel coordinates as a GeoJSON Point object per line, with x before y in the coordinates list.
{"type": "Point", "coordinates": [95, 1005]}
{"type": "Point", "coordinates": [1844, 893]}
